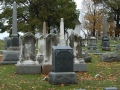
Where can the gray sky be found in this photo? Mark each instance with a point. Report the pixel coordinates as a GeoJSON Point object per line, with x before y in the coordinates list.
{"type": "Point", "coordinates": [5, 34]}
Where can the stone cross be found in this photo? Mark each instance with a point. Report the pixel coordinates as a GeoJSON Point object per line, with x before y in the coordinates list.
{"type": "Point", "coordinates": [104, 27]}
{"type": "Point", "coordinates": [62, 28]}
{"type": "Point", "coordinates": [44, 28]}
{"type": "Point", "coordinates": [14, 25]}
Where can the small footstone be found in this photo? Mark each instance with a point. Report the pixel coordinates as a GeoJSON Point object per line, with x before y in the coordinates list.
{"type": "Point", "coordinates": [110, 88]}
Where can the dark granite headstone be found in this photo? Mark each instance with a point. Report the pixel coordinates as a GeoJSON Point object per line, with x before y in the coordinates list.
{"type": "Point", "coordinates": [62, 59]}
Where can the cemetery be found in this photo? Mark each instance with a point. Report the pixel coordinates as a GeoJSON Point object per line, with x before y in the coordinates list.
{"type": "Point", "coordinates": [59, 61]}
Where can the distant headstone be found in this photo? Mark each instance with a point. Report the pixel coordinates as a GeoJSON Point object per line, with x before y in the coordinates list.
{"type": "Point", "coordinates": [92, 43]}
{"type": "Point", "coordinates": [110, 88]}
{"type": "Point", "coordinates": [118, 47]}
{"type": "Point", "coordinates": [91, 50]}
{"type": "Point", "coordinates": [87, 58]}
{"type": "Point", "coordinates": [105, 40]}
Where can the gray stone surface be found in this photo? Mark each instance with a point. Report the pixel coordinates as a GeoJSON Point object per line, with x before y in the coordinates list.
{"type": "Point", "coordinates": [14, 41]}
{"type": "Point", "coordinates": [62, 59]}
{"type": "Point", "coordinates": [105, 40]}
{"type": "Point", "coordinates": [51, 40]}
{"type": "Point", "coordinates": [27, 69]}
{"type": "Point", "coordinates": [14, 21]}
{"type": "Point", "coordinates": [57, 78]}
{"type": "Point", "coordinates": [79, 67]}
{"type": "Point", "coordinates": [75, 42]}
{"type": "Point", "coordinates": [110, 88]}
{"type": "Point", "coordinates": [118, 47]}
{"type": "Point", "coordinates": [28, 49]}
{"type": "Point", "coordinates": [88, 59]}
{"type": "Point", "coordinates": [92, 43]}
{"type": "Point", "coordinates": [10, 57]}
{"type": "Point", "coordinates": [109, 57]}
{"type": "Point", "coordinates": [7, 42]}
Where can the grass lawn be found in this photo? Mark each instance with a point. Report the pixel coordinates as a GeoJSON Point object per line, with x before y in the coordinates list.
{"type": "Point", "coordinates": [110, 76]}
{"type": "Point", "coordinates": [109, 72]}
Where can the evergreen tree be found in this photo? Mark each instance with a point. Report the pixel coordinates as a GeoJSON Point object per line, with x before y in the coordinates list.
{"type": "Point", "coordinates": [32, 13]}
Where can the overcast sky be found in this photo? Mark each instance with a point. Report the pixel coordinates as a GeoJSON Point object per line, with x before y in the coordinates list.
{"type": "Point", "coordinates": [78, 2]}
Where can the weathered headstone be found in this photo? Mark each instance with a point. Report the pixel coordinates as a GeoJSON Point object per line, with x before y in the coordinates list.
{"type": "Point", "coordinates": [50, 40]}
{"type": "Point", "coordinates": [62, 66]}
{"type": "Point", "coordinates": [27, 63]}
{"type": "Point", "coordinates": [42, 45]}
{"type": "Point", "coordinates": [75, 42]}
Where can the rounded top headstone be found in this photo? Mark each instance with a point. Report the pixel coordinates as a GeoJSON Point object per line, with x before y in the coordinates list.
{"type": "Point", "coordinates": [92, 37]}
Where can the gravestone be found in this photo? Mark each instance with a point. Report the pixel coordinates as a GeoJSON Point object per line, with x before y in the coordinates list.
{"type": "Point", "coordinates": [105, 40]}
{"type": "Point", "coordinates": [27, 63]}
{"type": "Point", "coordinates": [14, 36]}
{"type": "Point", "coordinates": [92, 43]}
{"type": "Point", "coordinates": [50, 40]}
{"type": "Point", "coordinates": [110, 88]}
{"type": "Point", "coordinates": [75, 42]}
{"type": "Point", "coordinates": [41, 45]}
{"type": "Point", "coordinates": [13, 50]}
{"type": "Point", "coordinates": [62, 66]}
{"type": "Point", "coordinates": [62, 59]}
{"type": "Point", "coordinates": [118, 47]}
{"type": "Point", "coordinates": [87, 58]}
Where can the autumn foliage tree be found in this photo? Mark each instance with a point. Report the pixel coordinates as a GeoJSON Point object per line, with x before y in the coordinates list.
{"type": "Point", "coordinates": [93, 17]}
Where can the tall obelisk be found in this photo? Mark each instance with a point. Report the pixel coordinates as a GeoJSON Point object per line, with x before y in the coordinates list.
{"type": "Point", "coordinates": [14, 36]}
{"type": "Point", "coordinates": [62, 40]}
{"type": "Point", "coordinates": [14, 21]}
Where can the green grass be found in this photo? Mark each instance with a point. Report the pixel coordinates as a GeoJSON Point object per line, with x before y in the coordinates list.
{"type": "Point", "coordinates": [110, 72]}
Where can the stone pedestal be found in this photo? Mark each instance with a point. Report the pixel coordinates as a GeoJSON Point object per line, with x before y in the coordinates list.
{"type": "Point", "coordinates": [46, 68]}
{"type": "Point", "coordinates": [10, 57]}
{"type": "Point", "coordinates": [27, 69]}
{"type": "Point", "coordinates": [57, 78]}
{"type": "Point", "coordinates": [110, 88]}
{"type": "Point", "coordinates": [79, 67]}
